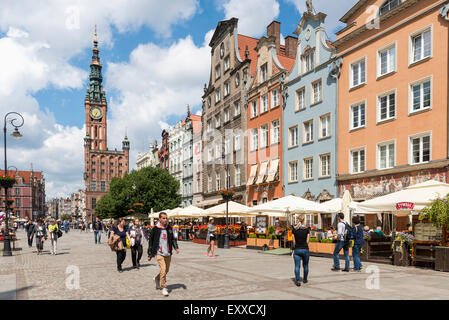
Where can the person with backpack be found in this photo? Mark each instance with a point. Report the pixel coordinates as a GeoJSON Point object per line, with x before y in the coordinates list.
{"type": "Point", "coordinates": [344, 235]}
{"type": "Point", "coordinates": [358, 243]}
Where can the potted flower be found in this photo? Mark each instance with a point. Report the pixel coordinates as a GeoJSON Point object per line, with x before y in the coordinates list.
{"type": "Point", "coordinates": [227, 194]}
{"type": "Point", "coordinates": [437, 212]}
{"type": "Point", "coordinates": [402, 246]}
{"type": "Point", "coordinates": [7, 181]}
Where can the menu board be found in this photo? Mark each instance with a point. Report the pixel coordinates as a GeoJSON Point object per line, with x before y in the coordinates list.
{"type": "Point", "coordinates": [261, 224]}
{"type": "Point", "coordinates": [427, 232]}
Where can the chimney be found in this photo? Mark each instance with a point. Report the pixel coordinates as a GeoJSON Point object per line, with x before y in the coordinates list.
{"type": "Point", "coordinates": [290, 46]}
{"type": "Point", "coordinates": [274, 29]}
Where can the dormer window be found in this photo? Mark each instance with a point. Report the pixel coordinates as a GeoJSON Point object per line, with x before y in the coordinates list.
{"type": "Point", "coordinates": [388, 6]}
{"type": "Point", "coordinates": [308, 60]}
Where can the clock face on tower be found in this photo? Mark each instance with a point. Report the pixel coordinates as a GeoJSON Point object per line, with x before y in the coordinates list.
{"type": "Point", "coordinates": [96, 113]}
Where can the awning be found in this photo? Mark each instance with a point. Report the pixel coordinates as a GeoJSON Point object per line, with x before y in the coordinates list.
{"type": "Point", "coordinates": [262, 172]}
{"type": "Point", "coordinates": [274, 167]}
{"type": "Point", "coordinates": [252, 175]}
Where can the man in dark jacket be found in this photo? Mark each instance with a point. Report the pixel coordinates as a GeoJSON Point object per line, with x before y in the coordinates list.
{"type": "Point", "coordinates": [29, 227]}
{"type": "Point", "coordinates": [161, 244]}
{"type": "Point", "coordinates": [358, 243]}
{"type": "Point", "coordinates": [98, 227]}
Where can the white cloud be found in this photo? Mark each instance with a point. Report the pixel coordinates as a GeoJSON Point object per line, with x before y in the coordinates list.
{"type": "Point", "coordinates": [334, 10]}
{"type": "Point", "coordinates": [254, 15]}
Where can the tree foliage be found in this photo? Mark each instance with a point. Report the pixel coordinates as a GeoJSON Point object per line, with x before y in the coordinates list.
{"type": "Point", "coordinates": [66, 217]}
{"type": "Point", "coordinates": [437, 212]}
{"type": "Point", "coordinates": [154, 187]}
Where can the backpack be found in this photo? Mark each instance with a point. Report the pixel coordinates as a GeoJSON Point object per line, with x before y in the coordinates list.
{"type": "Point", "coordinates": [349, 233]}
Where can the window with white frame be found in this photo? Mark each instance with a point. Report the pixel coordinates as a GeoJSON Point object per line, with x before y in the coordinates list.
{"type": "Point", "coordinates": [218, 180]}
{"type": "Point", "coordinates": [227, 115]}
{"type": "Point", "coordinates": [316, 92]}
{"type": "Point", "coordinates": [358, 160]}
{"type": "Point", "coordinates": [421, 45]}
{"type": "Point", "coordinates": [386, 61]}
{"type": "Point", "coordinates": [308, 131]}
{"type": "Point", "coordinates": [293, 136]}
{"type": "Point", "coordinates": [293, 171]}
{"type": "Point", "coordinates": [217, 150]}
{"type": "Point", "coordinates": [263, 72]}
{"type": "Point", "coordinates": [209, 102]}
{"type": "Point", "coordinates": [275, 131]}
{"type": "Point", "coordinates": [300, 99]}
{"type": "Point", "coordinates": [227, 63]}
{"type": "Point", "coordinates": [254, 139]}
{"type": "Point", "coordinates": [385, 155]}
{"type": "Point", "coordinates": [227, 89]}
{"type": "Point", "coordinates": [325, 165]}
{"type": "Point", "coordinates": [254, 108]}
{"type": "Point", "coordinates": [308, 59]}
{"type": "Point", "coordinates": [209, 184]}
{"type": "Point", "coordinates": [209, 126]}
{"type": "Point", "coordinates": [217, 72]}
{"type": "Point", "coordinates": [237, 80]}
{"type": "Point", "coordinates": [386, 106]}
{"type": "Point", "coordinates": [264, 103]}
{"type": "Point", "coordinates": [217, 121]}
{"type": "Point", "coordinates": [238, 177]}
{"type": "Point", "coordinates": [264, 136]}
{"type": "Point", "coordinates": [309, 220]}
{"type": "Point", "coordinates": [325, 126]}
{"type": "Point", "coordinates": [93, 185]}
{"type": "Point", "coordinates": [358, 116]}
{"type": "Point", "coordinates": [358, 73]}
{"type": "Point", "coordinates": [389, 5]}
{"type": "Point", "coordinates": [421, 95]}
{"type": "Point", "coordinates": [307, 173]}
{"type": "Point", "coordinates": [420, 148]}
{"type": "Point", "coordinates": [237, 108]}
{"type": "Point", "coordinates": [275, 98]}
{"type": "Point", "coordinates": [217, 95]}
{"type": "Point", "coordinates": [227, 145]}
{"type": "Point", "coordinates": [237, 142]}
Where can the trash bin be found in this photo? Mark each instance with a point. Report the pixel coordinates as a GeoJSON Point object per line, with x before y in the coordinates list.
{"type": "Point", "coordinates": [221, 240]}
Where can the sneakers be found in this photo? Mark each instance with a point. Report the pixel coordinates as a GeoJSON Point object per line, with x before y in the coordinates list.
{"type": "Point", "coordinates": [298, 283]}
{"type": "Point", "coordinates": [165, 292]}
{"type": "Point", "coordinates": [345, 270]}
{"type": "Point", "coordinates": [213, 257]}
{"type": "Point", "coordinates": [335, 269]}
{"type": "Point", "coordinates": [158, 283]}
{"type": "Point", "coordinates": [305, 281]}
{"type": "Point", "coordinates": [207, 254]}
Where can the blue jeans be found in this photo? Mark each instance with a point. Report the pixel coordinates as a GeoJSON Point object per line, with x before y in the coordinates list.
{"type": "Point", "coordinates": [298, 255]}
{"type": "Point", "coordinates": [98, 233]}
{"type": "Point", "coordinates": [338, 246]}
{"type": "Point", "coordinates": [356, 256]}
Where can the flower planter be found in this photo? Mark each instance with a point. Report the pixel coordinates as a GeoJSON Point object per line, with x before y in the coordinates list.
{"type": "Point", "coordinates": [4, 183]}
{"type": "Point", "coordinates": [274, 243]}
{"type": "Point", "coordinates": [442, 259]}
{"type": "Point", "coordinates": [401, 255]}
{"type": "Point", "coordinates": [251, 242]}
{"type": "Point", "coordinates": [262, 242]}
{"type": "Point", "coordinates": [327, 248]}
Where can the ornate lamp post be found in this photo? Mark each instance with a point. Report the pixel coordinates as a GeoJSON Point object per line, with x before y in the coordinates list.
{"type": "Point", "coordinates": [16, 134]}
{"type": "Point", "coordinates": [227, 197]}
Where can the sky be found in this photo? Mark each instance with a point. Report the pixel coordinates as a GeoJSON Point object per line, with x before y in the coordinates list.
{"type": "Point", "coordinates": [155, 58]}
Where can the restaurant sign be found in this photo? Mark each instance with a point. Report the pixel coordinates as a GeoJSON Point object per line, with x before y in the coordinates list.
{"type": "Point", "coordinates": [405, 205]}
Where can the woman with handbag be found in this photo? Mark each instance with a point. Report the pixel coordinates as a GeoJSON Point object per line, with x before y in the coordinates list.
{"type": "Point", "coordinates": [135, 236]}
{"type": "Point", "coordinates": [41, 235]}
{"type": "Point", "coordinates": [120, 230]}
{"type": "Point", "coordinates": [53, 230]}
{"type": "Point", "coordinates": [211, 237]}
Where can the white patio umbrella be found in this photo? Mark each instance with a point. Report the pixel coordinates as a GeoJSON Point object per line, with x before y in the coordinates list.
{"type": "Point", "coordinates": [290, 204]}
{"type": "Point", "coordinates": [191, 212]}
{"type": "Point", "coordinates": [234, 210]}
{"type": "Point", "coordinates": [415, 198]}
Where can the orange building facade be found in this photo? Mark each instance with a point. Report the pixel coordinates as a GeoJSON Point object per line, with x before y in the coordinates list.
{"type": "Point", "coordinates": [264, 114]}
{"type": "Point", "coordinates": [392, 96]}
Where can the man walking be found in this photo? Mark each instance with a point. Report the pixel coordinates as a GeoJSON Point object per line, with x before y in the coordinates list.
{"type": "Point", "coordinates": [98, 227]}
{"type": "Point", "coordinates": [161, 244]}
{"type": "Point", "coordinates": [29, 228]}
{"type": "Point", "coordinates": [342, 243]}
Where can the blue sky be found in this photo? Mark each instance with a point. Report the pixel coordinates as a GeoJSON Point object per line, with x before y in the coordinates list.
{"type": "Point", "coordinates": [155, 61]}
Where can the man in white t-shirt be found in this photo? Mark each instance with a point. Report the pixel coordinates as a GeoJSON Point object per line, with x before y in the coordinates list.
{"type": "Point", "coordinates": [341, 244]}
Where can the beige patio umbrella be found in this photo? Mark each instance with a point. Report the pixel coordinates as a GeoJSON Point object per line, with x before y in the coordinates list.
{"type": "Point", "coordinates": [191, 212]}
{"type": "Point", "coordinates": [234, 210]}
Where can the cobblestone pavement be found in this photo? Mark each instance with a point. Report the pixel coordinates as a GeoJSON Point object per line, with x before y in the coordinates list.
{"type": "Point", "coordinates": [235, 274]}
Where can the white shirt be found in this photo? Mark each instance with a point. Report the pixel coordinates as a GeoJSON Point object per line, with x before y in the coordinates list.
{"type": "Point", "coordinates": [341, 227]}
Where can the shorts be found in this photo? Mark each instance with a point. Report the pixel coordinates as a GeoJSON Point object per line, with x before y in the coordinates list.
{"type": "Point", "coordinates": [212, 237]}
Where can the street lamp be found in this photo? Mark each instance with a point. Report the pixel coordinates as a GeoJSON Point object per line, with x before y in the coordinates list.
{"type": "Point", "coordinates": [16, 134]}
{"type": "Point", "coordinates": [226, 238]}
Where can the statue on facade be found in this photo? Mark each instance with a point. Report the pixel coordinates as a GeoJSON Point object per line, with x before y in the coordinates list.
{"type": "Point", "coordinates": [309, 6]}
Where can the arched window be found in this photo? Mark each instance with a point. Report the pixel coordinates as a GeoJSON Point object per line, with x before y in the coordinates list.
{"type": "Point", "coordinates": [389, 5]}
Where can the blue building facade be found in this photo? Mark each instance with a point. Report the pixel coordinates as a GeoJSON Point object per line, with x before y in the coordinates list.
{"type": "Point", "coordinates": [309, 115]}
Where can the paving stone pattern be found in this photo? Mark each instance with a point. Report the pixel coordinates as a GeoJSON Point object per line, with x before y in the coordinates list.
{"type": "Point", "coordinates": [235, 274]}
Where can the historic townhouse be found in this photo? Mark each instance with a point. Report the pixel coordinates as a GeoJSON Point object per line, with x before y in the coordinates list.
{"type": "Point", "coordinates": [392, 97]}
{"type": "Point", "coordinates": [265, 116]}
{"type": "Point", "coordinates": [150, 158]}
{"type": "Point", "coordinates": [100, 164]}
{"type": "Point", "coordinates": [310, 125]}
{"type": "Point", "coordinates": [175, 135]}
{"type": "Point", "coordinates": [233, 61]}
{"type": "Point", "coordinates": [191, 128]}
